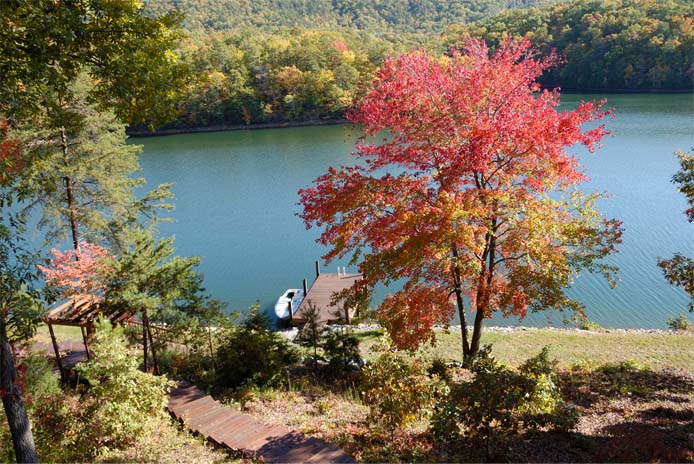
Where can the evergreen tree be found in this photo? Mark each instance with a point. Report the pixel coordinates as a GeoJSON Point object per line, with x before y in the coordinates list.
{"type": "Point", "coordinates": [148, 280]}
{"type": "Point", "coordinates": [82, 175]}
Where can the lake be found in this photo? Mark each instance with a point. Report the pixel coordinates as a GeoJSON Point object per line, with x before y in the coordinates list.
{"type": "Point", "coordinates": [236, 206]}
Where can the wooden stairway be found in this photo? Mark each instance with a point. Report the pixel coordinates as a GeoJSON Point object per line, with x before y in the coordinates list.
{"type": "Point", "coordinates": [239, 431]}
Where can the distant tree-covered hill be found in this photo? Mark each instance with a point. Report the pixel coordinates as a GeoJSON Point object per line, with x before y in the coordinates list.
{"type": "Point", "coordinates": [607, 44]}
{"type": "Point", "coordinates": [265, 61]}
{"type": "Point", "coordinates": [381, 16]}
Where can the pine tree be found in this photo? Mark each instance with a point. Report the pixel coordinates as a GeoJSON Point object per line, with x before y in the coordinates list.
{"type": "Point", "coordinates": [81, 175]}
{"type": "Point", "coordinates": [147, 279]}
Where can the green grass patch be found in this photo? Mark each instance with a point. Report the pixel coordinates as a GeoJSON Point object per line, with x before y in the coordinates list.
{"type": "Point", "coordinates": [653, 350]}
{"type": "Point", "coordinates": [62, 332]}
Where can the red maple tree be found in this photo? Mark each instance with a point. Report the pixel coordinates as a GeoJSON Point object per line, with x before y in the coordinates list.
{"type": "Point", "coordinates": [78, 272]}
{"type": "Point", "coordinates": [470, 199]}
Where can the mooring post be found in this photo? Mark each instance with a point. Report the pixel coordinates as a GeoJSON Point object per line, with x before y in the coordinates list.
{"type": "Point", "coordinates": [317, 270]}
{"type": "Point", "coordinates": [305, 288]}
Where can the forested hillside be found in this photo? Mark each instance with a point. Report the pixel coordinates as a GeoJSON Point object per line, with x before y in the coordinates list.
{"type": "Point", "coordinates": [368, 15]}
{"type": "Point", "coordinates": [607, 44]}
{"type": "Point", "coordinates": [251, 77]}
{"type": "Point", "coordinates": [264, 61]}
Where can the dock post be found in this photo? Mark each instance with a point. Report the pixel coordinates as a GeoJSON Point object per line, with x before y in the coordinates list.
{"type": "Point", "coordinates": [305, 288]}
{"type": "Point", "coordinates": [291, 310]}
{"type": "Point", "coordinates": [317, 270]}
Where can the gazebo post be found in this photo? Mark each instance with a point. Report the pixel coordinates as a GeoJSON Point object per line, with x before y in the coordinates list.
{"type": "Point", "coordinates": [57, 352]}
{"type": "Point", "coordinates": [86, 344]}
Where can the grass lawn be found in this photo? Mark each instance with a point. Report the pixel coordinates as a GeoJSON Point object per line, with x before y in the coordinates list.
{"type": "Point", "coordinates": [654, 350]}
{"type": "Point", "coordinates": [62, 332]}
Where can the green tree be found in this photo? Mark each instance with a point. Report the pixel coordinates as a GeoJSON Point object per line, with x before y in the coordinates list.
{"type": "Point", "coordinates": [20, 307]}
{"type": "Point", "coordinates": [45, 45]}
{"type": "Point", "coordinates": [608, 45]}
{"type": "Point", "coordinates": [679, 270]}
{"type": "Point", "coordinates": [147, 279]}
{"type": "Point", "coordinates": [82, 176]}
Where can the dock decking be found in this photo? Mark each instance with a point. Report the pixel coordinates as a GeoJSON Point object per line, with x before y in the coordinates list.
{"type": "Point", "coordinates": [238, 431]}
{"type": "Point", "coordinates": [321, 293]}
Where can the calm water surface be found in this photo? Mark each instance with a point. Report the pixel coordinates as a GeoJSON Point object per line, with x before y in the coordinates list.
{"type": "Point", "coordinates": [236, 205]}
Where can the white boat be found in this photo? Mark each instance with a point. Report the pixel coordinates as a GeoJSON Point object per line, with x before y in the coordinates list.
{"type": "Point", "coordinates": [295, 295]}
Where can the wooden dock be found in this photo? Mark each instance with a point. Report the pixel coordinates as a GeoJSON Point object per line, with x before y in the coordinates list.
{"type": "Point", "coordinates": [241, 432]}
{"type": "Point", "coordinates": [321, 293]}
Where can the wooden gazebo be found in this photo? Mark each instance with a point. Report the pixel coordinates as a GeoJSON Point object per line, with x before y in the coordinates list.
{"type": "Point", "coordinates": [79, 311]}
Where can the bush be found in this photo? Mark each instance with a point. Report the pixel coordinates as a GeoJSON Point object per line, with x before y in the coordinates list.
{"type": "Point", "coordinates": [439, 368]}
{"type": "Point", "coordinates": [397, 390]}
{"type": "Point", "coordinates": [252, 355]}
{"type": "Point", "coordinates": [498, 401]}
{"type": "Point", "coordinates": [586, 324]}
{"type": "Point", "coordinates": [41, 381]}
{"type": "Point", "coordinates": [122, 405]}
{"type": "Point", "coordinates": [680, 323]}
{"type": "Point", "coordinates": [341, 348]}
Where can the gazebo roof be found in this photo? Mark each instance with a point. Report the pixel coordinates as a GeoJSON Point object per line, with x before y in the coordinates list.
{"type": "Point", "coordinates": [82, 311]}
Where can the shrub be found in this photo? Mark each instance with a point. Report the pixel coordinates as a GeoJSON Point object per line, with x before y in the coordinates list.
{"type": "Point", "coordinates": [124, 397]}
{"type": "Point", "coordinates": [439, 368]}
{"type": "Point", "coordinates": [40, 379]}
{"type": "Point", "coordinates": [397, 390]}
{"type": "Point", "coordinates": [122, 405]}
{"type": "Point", "coordinates": [586, 324]}
{"type": "Point", "coordinates": [680, 323]}
{"type": "Point", "coordinates": [341, 348]}
{"type": "Point", "coordinates": [543, 405]}
{"type": "Point", "coordinates": [444, 422]}
{"type": "Point", "coordinates": [498, 400]}
{"type": "Point", "coordinates": [251, 354]}
{"type": "Point", "coordinates": [625, 377]}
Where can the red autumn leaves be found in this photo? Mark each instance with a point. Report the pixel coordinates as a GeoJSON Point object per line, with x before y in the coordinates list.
{"type": "Point", "coordinates": [472, 147]}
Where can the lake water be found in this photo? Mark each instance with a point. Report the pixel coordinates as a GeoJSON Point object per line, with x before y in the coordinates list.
{"type": "Point", "coordinates": [236, 205]}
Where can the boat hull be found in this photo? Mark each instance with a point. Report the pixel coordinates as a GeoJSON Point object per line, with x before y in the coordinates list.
{"type": "Point", "coordinates": [293, 295]}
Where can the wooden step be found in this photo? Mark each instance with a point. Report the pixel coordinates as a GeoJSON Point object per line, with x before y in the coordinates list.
{"type": "Point", "coordinates": [219, 426]}
{"type": "Point", "coordinates": [239, 431]}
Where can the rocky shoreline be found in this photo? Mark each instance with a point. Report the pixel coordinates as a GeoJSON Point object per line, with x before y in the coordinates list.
{"type": "Point", "coordinates": [366, 327]}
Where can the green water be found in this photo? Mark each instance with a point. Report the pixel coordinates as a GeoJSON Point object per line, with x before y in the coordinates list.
{"type": "Point", "coordinates": [236, 205]}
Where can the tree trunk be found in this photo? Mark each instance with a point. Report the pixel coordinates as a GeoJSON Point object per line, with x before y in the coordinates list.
{"type": "Point", "coordinates": [486, 279]}
{"type": "Point", "coordinates": [458, 290]}
{"type": "Point", "coordinates": [154, 353]}
{"type": "Point", "coordinates": [69, 197]}
{"type": "Point", "coordinates": [144, 339]}
{"type": "Point", "coordinates": [22, 438]}
{"type": "Point", "coordinates": [477, 332]}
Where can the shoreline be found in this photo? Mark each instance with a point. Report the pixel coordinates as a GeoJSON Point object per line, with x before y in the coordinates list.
{"type": "Point", "coordinates": [366, 327]}
{"type": "Point", "coordinates": [237, 127]}
{"type": "Point", "coordinates": [338, 121]}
